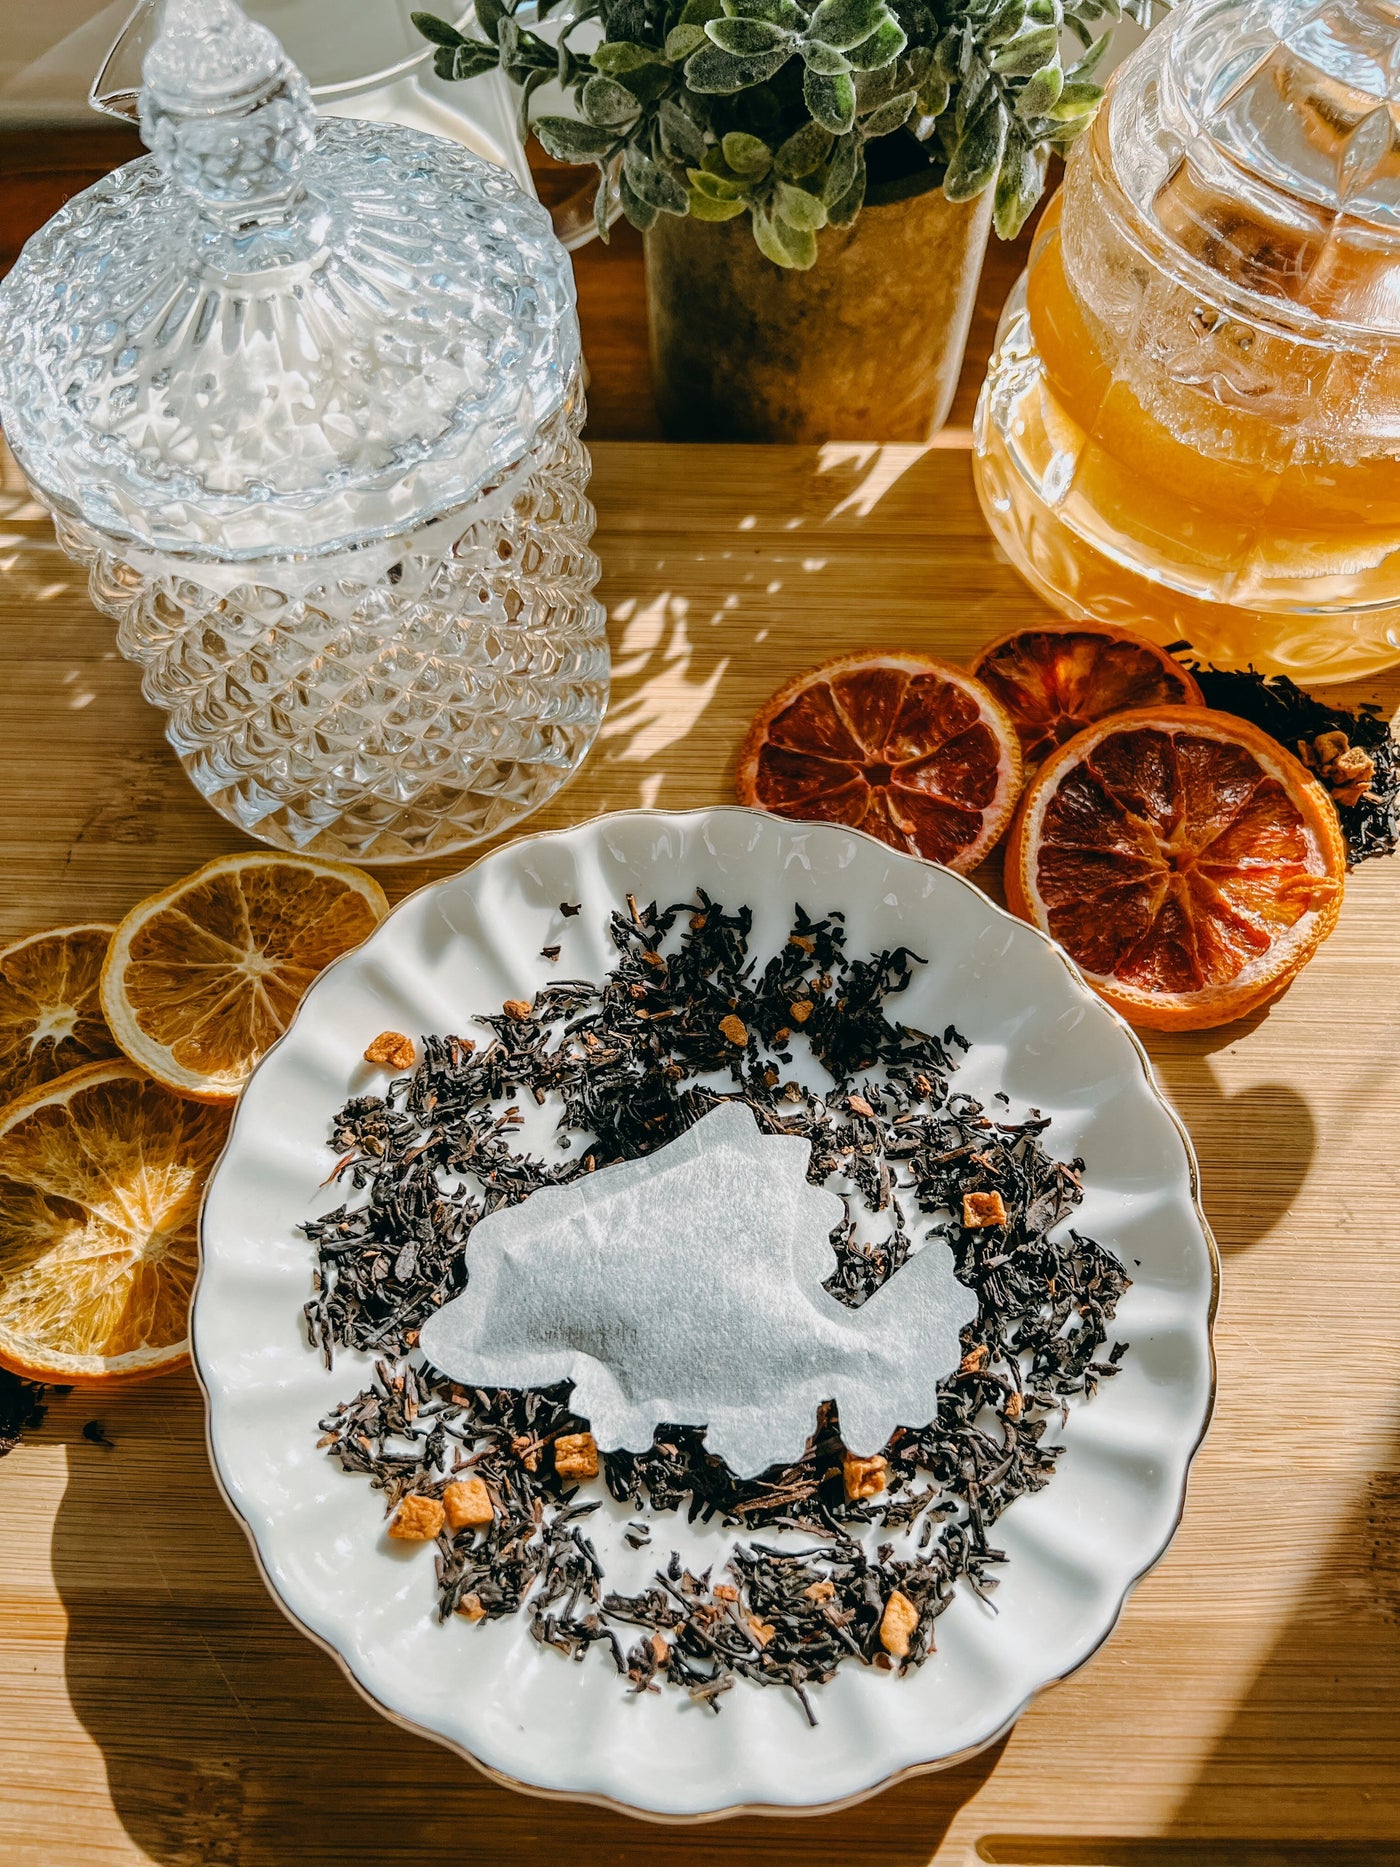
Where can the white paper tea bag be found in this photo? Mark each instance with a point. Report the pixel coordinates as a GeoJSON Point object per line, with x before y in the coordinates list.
{"type": "Point", "coordinates": [686, 1287]}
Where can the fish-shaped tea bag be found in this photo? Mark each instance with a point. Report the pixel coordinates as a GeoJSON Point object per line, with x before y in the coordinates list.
{"type": "Point", "coordinates": [686, 1287]}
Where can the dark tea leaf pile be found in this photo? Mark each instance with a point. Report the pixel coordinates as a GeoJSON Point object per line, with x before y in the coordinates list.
{"type": "Point", "coordinates": [686, 1017]}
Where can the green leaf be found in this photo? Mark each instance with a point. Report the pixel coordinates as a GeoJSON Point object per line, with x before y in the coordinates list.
{"type": "Point", "coordinates": [746, 155]}
{"type": "Point", "coordinates": [745, 37]}
{"type": "Point", "coordinates": [717, 73]}
{"type": "Point", "coordinates": [841, 172]}
{"type": "Point", "coordinates": [882, 48]}
{"type": "Point", "coordinates": [889, 117]}
{"type": "Point", "coordinates": [1004, 24]}
{"type": "Point", "coordinates": [824, 58]}
{"type": "Point", "coordinates": [978, 155]}
{"type": "Point", "coordinates": [795, 207]}
{"type": "Point", "coordinates": [1026, 53]}
{"type": "Point", "coordinates": [527, 91]}
{"type": "Point", "coordinates": [682, 139]}
{"type": "Point", "coordinates": [832, 101]}
{"type": "Point", "coordinates": [471, 58]}
{"type": "Point", "coordinates": [777, 12]}
{"type": "Point", "coordinates": [641, 213]}
{"type": "Point", "coordinates": [843, 211]}
{"type": "Point", "coordinates": [489, 14]}
{"type": "Point", "coordinates": [1077, 100]}
{"type": "Point", "coordinates": [568, 140]}
{"type": "Point", "coordinates": [933, 95]}
{"type": "Point", "coordinates": [651, 183]}
{"type": "Point", "coordinates": [699, 12]}
{"type": "Point", "coordinates": [844, 23]}
{"type": "Point", "coordinates": [717, 187]}
{"type": "Point", "coordinates": [1092, 59]}
{"type": "Point", "coordinates": [704, 207]}
{"type": "Point", "coordinates": [1040, 91]}
{"type": "Point", "coordinates": [1019, 183]}
{"type": "Point", "coordinates": [608, 104]}
{"type": "Point", "coordinates": [602, 207]}
{"type": "Point", "coordinates": [803, 152]}
{"type": "Point", "coordinates": [437, 29]}
{"type": "Point", "coordinates": [621, 55]}
{"type": "Point", "coordinates": [790, 247]}
{"type": "Point", "coordinates": [681, 41]}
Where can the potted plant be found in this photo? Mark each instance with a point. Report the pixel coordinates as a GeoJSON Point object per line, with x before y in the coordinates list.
{"type": "Point", "coordinates": [814, 184]}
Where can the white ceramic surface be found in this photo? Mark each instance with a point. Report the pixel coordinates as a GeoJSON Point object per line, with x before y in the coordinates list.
{"type": "Point", "coordinates": [524, 1713]}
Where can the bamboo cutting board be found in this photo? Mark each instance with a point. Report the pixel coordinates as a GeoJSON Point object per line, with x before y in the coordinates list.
{"type": "Point", "coordinates": [154, 1704]}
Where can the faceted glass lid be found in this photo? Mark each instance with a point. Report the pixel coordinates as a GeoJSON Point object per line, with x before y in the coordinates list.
{"type": "Point", "coordinates": [1263, 137]}
{"type": "Point", "coordinates": [276, 334]}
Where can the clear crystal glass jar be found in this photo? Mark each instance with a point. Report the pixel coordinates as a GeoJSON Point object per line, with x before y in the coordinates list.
{"type": "Point", "coordinates": [305, 398]}
{"type": "Point", "coordinates": [1192, 420]}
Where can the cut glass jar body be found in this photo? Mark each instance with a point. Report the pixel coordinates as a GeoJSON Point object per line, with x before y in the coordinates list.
{"type": "Point", "coordinates": [305, 399]}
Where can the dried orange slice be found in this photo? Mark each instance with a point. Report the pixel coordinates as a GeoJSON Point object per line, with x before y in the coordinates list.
{"type": "Point", "coordinates": [1183, 859]}
{"type": "Point", "coordinates": [50, 1018]}
{"type": "Point", "coordinates": [101, 1174]}
{"type": "Point", "coordinates": [1058, 678]}
{"type": "Point", "coordinates": [913, 750]}
{"type": "Point", "coordinates": [202, 979]}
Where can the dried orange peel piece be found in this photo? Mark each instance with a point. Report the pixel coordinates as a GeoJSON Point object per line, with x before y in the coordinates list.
{"type": "Point", "coordinates": [1059, 677]}
{"type": "Point", "coordinates": [203, 978]}
{"type": "Point", "coordinates": [1186, 862]}
{"type": "Point", "coordinates": [101, 1176]}
{"type": "Point", "coordinates": [50, 1017]}
{"type": "Point", "coordinates": [910, 749]}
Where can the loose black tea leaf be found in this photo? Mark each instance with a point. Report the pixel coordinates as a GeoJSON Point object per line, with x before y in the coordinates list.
{"type": "Point", "coordinates": [685, 1018]}
{"type": "Point", "coordinates": [21, 1409]}
{"type": "Point", "coordinates": [1368, 803]}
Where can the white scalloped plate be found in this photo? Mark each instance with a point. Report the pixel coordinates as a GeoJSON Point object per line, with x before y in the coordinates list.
{"type": "Point", "coordinates": [521, 1712]}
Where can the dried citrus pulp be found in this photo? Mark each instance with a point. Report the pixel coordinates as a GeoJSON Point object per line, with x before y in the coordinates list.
{"type": "Point", "coordinates": [1059, 678]}
{"type": "Point", "coordinates": [913, 750]}
{"type": "Point", "coordinates": [50, 1018]}
{"type": "Point", "coordinates": [100, 1180]}
{"type": "Point", "coordinates": [202, 979]}
{"type": "Point", "coordinates": [1185, 861]}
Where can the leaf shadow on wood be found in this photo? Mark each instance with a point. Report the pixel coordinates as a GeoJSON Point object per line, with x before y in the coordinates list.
{"type": "Point", "coordinates": [228, 1737]}
{"type": "Point", "coordinates": [1268, 1123]}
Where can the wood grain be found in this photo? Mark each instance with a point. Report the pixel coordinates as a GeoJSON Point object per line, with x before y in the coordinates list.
{"type": "Point", "coordinates": [155, 1706]}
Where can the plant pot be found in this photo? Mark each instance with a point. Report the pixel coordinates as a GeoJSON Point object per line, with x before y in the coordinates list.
{"type": "Point", "coordinates": [866, 346]}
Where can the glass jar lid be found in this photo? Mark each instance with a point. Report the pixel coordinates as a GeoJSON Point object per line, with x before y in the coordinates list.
{"type": "Point", "coordinates": [278, 335]}
{"type": "Point", "coordinates": [1261, 138]}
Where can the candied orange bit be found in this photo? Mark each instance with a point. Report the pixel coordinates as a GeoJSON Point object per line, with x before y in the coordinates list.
{"type": "Point", "coordinates": [734, 1029]}
{"type": "Point", "coordinates": [979, 1210]}
{"type": "Point", "coordinates": [519, 1009]}
{"type": "Point", "coordinates": [864, 1477]}
{"type": "Point", "coordinates": [468, 1504]}
{"type": "Point", "coordinates": [576, 1456]}
{"type": "Point", "coordinates": [800, 1010]}
{"type": "Point", "coordinates": [471, 1609]}
{"type": "Point", "coordinates": [973, 1359]}
{"type": "Point", "coordinates": [859, 1106]}
{"type": "Point", "coordinates": [418, 1520]}
{"type": "Point", "coordinates": [897, 1625]}
{"type": "Point", "coordinates": [393, 1048]}
{"type": "Point", "coordinates": [762, 1631]}
{"type": "Point", "coordinates": [723, 1592]}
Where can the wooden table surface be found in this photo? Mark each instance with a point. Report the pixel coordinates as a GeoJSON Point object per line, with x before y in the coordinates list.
{"type": "Point", "coordinates": [156, 1706]}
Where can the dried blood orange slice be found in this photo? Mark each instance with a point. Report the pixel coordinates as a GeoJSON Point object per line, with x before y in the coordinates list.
{"type": "Point", "coordinates": [1183, 859]}
{"type": "Point", "coordinates": [911, 749]}
{"type": "Point", "coordinates": [1058, 678]}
